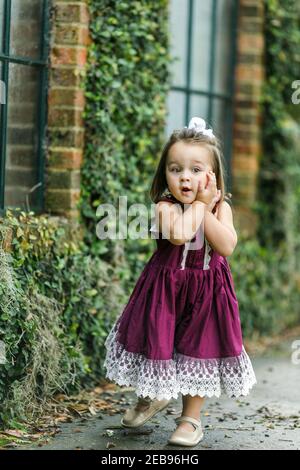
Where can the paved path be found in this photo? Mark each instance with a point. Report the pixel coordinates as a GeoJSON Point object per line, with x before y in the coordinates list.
{"type": "Point", "coordinates": [269, 418]}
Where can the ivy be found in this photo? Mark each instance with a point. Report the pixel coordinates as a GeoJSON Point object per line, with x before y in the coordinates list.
{"type": "Point", "coordinates": [279, 182]}
{"type": "Point", "coordinates": [126, 85]}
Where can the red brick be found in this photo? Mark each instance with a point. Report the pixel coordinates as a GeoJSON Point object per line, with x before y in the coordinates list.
{"type": "Point", "coordinates": [245, 163]}
{"type": "Point", "coordinates": [68, 55]}
{"type": "Point", "coordinates": [250, 103]}
{"type": "Point", "coordinates": [243, 116]}
{"type": "Point", "coordinates": [246, 132]}
{"type": "Point", "coordinates": [62, 137]}
{"type": "Point", "coordinates": [251, 72]}
{"type": "Point", "coordinates": [65, 158]}
{"type": "Point", "coordinates": [72, 34]}
{"type": "Point", "coordinates": [60, 200]}
{"type": "Point", "coordinates": [67, 97]}
{"type": "Point", "coordinates": [71, 12]}
{"type": "Point", "coordinates": [65, 77]}
{"type": "Point", "coordinates": [61, 117]}
{"type": "Point", "coordinates": [63, 179]}
{"type": "Point", "coordinates": [241, 147]}
{"type": "Point", "coordinates": [250, 42]}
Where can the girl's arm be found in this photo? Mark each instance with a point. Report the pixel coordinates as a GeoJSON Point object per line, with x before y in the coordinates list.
{"type": "Point", "coordinates": [180, 227]}
{"type": "Point", "coordinates": [220, 231]}
{"type": "Point", "coordinates": [177, 226]}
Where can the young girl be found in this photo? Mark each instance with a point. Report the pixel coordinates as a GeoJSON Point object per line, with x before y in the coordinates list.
{"type": "Point", "coordinates": [180, 331]}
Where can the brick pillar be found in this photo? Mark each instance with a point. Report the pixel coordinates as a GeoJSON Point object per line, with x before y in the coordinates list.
{"type": "Point", "coordinates": [247, 113]}
{"type": "Point", "coordinates": [68, 55]}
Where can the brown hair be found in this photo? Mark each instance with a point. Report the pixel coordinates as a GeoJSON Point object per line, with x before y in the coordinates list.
{"type": "Point", "coordinates": [212, 143]}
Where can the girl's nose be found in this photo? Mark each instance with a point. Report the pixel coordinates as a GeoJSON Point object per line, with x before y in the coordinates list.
{"type": "Point", "coordinates": [185, 177]}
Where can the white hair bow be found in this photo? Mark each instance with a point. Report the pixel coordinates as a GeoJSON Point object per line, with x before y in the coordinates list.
{"type": "Point", "coordinates": [199, 125]}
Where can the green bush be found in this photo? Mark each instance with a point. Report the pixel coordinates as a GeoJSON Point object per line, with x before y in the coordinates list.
{"type": "Point", "coordinates": [265, 287]}
{"type": "Point", "coordinates": [278, 188]}
{"type": "Point", "coordinates": [127, 81]}
{"type": "Point", "coordinates": [271, 304]}
{"type": "Point", "coordinates": [56, 307]}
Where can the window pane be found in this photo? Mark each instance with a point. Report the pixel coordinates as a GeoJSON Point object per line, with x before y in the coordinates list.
{"type": "Point", "coordinates": [201, 45]}
{"type": "Point", "coordinates": [178, 40]}
{"type": "Point", "coordinates": [199, 106]}
{"type": "Point", "coordinates": [1, 24]}
{"type": "Point", "coordinates": [26, 22]}
{"type": "Point", "coordinates": [176, 111]}
{"type": "Point", "coordinates": [22, 137]}
{"type": "Point", "coordinates": [221, 126]}
{"type": "Point", "coordinates": [201, 58]}
{"type": "Point", "coordinates": [224, 52]}
{"type": "Point", "coordinates": [220, 111]}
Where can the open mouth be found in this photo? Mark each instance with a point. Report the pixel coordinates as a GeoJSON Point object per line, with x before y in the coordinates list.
{"type": "Point", "coordinates": [186, 190]}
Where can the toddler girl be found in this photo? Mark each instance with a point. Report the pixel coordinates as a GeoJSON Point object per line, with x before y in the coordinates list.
{"type": "Point", "coordinates": [180, 331]}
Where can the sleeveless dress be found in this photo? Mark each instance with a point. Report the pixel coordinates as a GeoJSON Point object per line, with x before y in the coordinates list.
{"type": "Point", "coordinates": [180, 331]}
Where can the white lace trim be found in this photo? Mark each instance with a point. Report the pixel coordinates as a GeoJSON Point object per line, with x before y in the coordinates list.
{"type": "Point", "coordinates": [184, 255]}
{"type": "Point", "coordinates": [207, 256]}
{"type": "Point", "coordinates": [165, 379]}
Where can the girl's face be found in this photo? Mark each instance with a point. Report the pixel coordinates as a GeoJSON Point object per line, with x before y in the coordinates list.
{"type": "Point", "coordinates": [186, 165]}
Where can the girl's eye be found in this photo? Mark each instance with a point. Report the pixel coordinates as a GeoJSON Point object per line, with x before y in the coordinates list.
{"type": "Point", "coordinates": [196, 169]}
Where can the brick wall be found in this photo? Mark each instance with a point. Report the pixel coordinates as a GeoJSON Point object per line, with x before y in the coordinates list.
{"type": "Point", "coordinates": [247, 114]}
{"type": "Point", "coordinates": [70, 38]}
{"type": "Point", "coordinates": [68, 56]}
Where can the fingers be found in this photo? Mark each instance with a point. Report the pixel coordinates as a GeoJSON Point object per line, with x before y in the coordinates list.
{"type": "Point", "coordinates": [211, 184]}
{"type": "Point", "coordinates": [212, 181]}
{"type": "Point", "coordinates": [218, 195]}
{"type": "Point", "coordinates": [211, 176]}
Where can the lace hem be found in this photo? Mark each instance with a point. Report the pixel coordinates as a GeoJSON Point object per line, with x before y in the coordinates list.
{"type": "Point", "coordinates": [165, 379]}
{"type": "Point", "coordinates": [207, 256]}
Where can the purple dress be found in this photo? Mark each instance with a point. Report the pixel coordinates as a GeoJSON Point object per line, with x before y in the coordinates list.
{"type": "Point", "coordinates": [180, 331]}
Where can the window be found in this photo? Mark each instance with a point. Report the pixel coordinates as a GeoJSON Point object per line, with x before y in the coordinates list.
{"type": "Point", "coordinates": [203, 43]}
{"type": "Point", "coordinates": [23, 70]}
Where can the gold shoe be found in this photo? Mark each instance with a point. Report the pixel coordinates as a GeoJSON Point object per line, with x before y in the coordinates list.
{"type": "Point", "coordinates": [134, 418]}
{"type": "Point", "coordinates": [187, 438]}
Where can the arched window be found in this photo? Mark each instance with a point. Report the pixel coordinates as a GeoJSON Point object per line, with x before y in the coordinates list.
{"type": "Point", "coordinates": [203, 44]}
{"type": "Point", "coordinates": [23, 75]}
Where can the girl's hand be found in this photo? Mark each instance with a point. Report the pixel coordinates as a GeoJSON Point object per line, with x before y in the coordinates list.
{"type": "Point", "coordinates": [209, 193]}
{"type": "Point", "coordinates": [209, 207]}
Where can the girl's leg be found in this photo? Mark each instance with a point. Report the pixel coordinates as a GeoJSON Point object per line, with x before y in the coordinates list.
{"type": "Point", "coordinates": [191, 406]}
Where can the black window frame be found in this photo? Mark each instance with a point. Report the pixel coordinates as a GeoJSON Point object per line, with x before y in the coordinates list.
{"type": "Point", "coordinates": [42, 64]}
{"type": "Point", "coordinates": [227, 98]}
